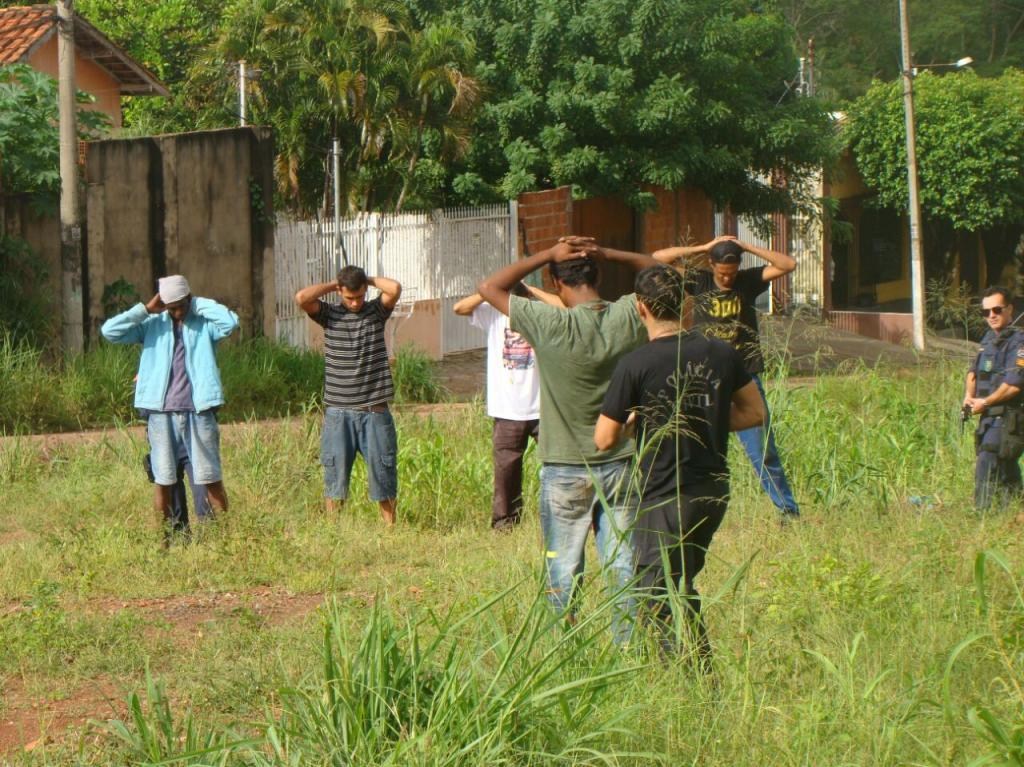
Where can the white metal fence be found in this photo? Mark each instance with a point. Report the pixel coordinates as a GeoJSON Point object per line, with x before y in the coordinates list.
{"type": "Point", "coordinates": [436, 256]}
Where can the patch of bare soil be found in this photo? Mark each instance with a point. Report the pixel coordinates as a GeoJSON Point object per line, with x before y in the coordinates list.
{"type": "Point", "coordinates": [274, 606]}
{"type": "Point", "coordinates": [11, 537]}
{"type": "Point", "coordinates": [464, 374]}
{"type": "Point", "coordinates": [27, 722]}
{"type": "Point", "coordinates": [190, 611]}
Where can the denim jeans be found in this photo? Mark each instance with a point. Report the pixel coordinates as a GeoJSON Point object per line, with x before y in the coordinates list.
{"type": "Point", "coordinates": [371, 434]}
{"type": "Point", "coordinates": [193, 434]}
{"type": "Point", "coordinates": [759, 442]}
{"type": "Point", "coordinates": [573, 500]}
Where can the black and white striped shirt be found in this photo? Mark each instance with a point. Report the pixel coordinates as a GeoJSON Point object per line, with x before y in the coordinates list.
{"type": "Point", "coordinates": [356, 370]}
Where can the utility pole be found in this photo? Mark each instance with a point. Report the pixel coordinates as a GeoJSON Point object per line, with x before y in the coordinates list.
{"type": "Point", "coordinates": [72, 331]}
{"type": "Point", "coordinates": [914, 205]}
{"type": "Point", "coordinates": [339, 246]}
{"type": "Point", "coordinates": [241, 92]}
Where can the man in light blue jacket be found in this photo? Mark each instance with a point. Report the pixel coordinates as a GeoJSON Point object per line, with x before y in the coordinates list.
{"type": "Point", "coordinates": [178, 385]}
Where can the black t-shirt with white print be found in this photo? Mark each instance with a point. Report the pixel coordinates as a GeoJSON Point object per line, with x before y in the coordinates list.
{"type": "Point", "coordinates": [356, 369]}
{"type": "Point", "coordinates": [681, 388]}
{"type": "Point", "coordinates": [730, 315]}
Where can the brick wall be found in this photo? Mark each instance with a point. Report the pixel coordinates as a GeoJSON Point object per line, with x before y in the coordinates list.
{"type": "Point", "coordinates": [681, 217]}
{"type": "Point", "coordinates": [543, 218]}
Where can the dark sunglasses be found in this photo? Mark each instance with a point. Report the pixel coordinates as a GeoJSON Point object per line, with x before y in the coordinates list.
{"type": "Point", "coordinates": [996, 310]}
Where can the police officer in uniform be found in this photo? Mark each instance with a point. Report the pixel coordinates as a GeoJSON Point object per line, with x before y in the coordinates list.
{"type": "Point", "coordinates": [993, 392]}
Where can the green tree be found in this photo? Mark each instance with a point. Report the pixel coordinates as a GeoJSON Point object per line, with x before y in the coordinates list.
{"type": "Point", "coordinates": [168, 38]}
{"type": "Point", "coordinates": [442, 95]}
{"type": "Point", "coordinates": [30, 166]}
{"type": "Point", "coordinates": [858, 40]}
{"type": "Point", "coordinates": [29, 141]}
{"type": "Point", "coordinates": [397, 95]}
{"type": "Point", "coordinates": [969, 146]}
{"type": "Point", "coordinates": [613, 95]}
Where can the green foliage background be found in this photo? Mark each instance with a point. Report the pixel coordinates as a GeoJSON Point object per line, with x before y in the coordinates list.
{"type": "Point", "coordinates": [969, 141]}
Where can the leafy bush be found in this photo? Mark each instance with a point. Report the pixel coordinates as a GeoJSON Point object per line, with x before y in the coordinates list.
{"type": "Point", "coordinates": [261, 379]}
{"type": "Point", "coordinates": [26, 313]}
{"type": "Point", "coordinates": [415, 377]}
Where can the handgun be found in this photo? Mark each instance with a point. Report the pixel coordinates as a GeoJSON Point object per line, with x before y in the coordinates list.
{"type": "Point", "coordinates": [965, 416]}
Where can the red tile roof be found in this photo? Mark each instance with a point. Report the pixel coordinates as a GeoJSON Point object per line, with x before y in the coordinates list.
{"type": "Point", "coordinates": [23, 27]}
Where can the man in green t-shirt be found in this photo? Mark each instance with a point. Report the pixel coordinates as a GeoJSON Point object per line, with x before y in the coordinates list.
{"type": "Point", "coordinates": [576, 350]}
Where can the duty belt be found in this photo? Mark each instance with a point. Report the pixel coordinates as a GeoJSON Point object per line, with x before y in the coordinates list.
{"type": "Point", "coordinates": [997, 410]}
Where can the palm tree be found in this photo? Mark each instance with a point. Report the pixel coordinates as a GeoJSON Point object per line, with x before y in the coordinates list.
{"type": "Point", "coordinates": [441, 95]}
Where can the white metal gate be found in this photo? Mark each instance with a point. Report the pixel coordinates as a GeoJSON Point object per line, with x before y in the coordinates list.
{"type": "Point", "coordinates": [474, 243]}
{"type": "Point", "coordinates": [437, 256]}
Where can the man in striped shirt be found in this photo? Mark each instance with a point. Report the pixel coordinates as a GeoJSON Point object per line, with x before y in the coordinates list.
{"type": "Point", "coordinates": [357, 385]}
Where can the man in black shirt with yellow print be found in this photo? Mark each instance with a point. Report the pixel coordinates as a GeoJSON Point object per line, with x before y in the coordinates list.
{"type": "Point", "coordinates": [723, 308]}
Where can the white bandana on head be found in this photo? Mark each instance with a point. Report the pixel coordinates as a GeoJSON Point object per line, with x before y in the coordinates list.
{"type": "Point", "coordinates": [173, 288]}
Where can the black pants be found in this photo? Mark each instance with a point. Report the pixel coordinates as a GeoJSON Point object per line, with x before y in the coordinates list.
{"type": "Point", "coordinates": [510, 439]}
{"type": "Point", "coordinates": [995, 479]}
{"type": "Point", "coordinates": [670, 542]}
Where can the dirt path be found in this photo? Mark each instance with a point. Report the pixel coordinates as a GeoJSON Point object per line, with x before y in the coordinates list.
{"type": "Point", "coordinates": [48, 443]}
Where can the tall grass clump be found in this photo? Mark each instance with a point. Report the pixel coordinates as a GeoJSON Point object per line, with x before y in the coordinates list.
{"type": "Point", "coordinates": [872, 437]}
{"type": "Point", "coordinates": [416, 378]}
{"type": "Point", "coordinates": [264, 378]}
{"type": "Point", "coordinates": [997, 717]}
{"type": "Point", "coordinates": [466, 688]}
{"type": "Point", "coordinates": [154, 735]}
{"type": "Point", "coordinates": [86, 390]}
{"type": "Point", "coordinates": [96, 389]}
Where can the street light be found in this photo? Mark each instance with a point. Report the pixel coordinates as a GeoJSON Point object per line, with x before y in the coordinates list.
{"type": "Point", "coordinates": [966, 61]}
{"type": "Point", "coordinates": [913, 202]}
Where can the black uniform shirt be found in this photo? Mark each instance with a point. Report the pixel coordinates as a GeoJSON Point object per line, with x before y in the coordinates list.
{"type": "Point", "coordinates": [1000, 360]}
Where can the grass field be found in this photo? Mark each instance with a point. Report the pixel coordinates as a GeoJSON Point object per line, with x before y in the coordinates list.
{"type": "Point", "coordinates": [885, 628]}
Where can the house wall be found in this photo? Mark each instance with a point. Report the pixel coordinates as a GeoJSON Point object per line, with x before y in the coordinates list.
{"type": "Point", "coordinates": [89, 77]}
{"type": "Point", "coordinates": [894, 327]}
{"type": "Point", "coordinates": [198, 204]}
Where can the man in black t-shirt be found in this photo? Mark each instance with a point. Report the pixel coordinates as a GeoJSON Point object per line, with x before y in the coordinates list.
{"type": "Point", "coordinates": [723, 307]}
{"type": "Point", "coordinates": [357, 385]}
{"type": "Point", "coordinates": [686, 393]}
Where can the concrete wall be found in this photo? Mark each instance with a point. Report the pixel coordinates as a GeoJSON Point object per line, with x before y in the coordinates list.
{"type": "Point", "coordinates": [198, 204]}
{"type": "Point", "coordinates": [422, 330]}
{"type": "Point", "coordinates": [894, 327]}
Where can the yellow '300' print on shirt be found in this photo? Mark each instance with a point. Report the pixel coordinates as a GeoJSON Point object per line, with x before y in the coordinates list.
{"type": "Point", "coordinates": [724, 307]}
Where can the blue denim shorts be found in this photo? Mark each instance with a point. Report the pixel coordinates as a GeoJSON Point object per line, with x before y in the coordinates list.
{"type": "Point", "coordinates": [348, 432]}
{"type": "Point", "coordinates": [193, 435]}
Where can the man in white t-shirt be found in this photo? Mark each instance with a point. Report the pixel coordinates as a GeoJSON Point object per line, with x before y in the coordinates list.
{"type": "Point", "coordinates": [513, 401]}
